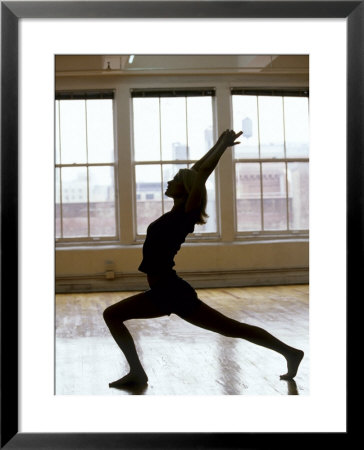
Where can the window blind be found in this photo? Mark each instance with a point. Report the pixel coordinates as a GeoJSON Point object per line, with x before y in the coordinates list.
{"type": "Point", "coordinates": [84, 95]}
{"type": "Point", "coordinates": [137, 93]}
{"type": "Point", "coordinates": [271, 92]}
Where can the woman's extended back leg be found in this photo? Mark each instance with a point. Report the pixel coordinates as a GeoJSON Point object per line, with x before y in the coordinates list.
{"type": "Point", "coordinates": [208, 318]}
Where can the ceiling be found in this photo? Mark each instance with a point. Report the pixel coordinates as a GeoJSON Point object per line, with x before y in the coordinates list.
{"type": "Point", "coordinates": [77, 65]}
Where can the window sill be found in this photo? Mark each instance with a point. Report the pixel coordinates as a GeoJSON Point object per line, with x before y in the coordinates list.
{"type": "Point", "coordinates": [271, 236]}
{"type": "Point", "coordinates": [239, 240]}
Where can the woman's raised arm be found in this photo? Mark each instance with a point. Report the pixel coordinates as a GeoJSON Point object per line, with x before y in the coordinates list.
{"type": "Point", "coordinates": [208, 162]}
{"type": "Point", "coordinates": [205, 166]}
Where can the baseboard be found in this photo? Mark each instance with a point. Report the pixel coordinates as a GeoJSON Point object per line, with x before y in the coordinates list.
{"type": "Point", "coordinates": [199, 280]}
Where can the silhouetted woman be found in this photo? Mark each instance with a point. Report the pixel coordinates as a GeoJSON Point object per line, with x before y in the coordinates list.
{"type": "Point", "coordinates": [168, 293]}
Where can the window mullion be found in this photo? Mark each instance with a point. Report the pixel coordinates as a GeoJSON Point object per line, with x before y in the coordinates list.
{"type": "Point", "coordinates": [88, 202]}
{"type": "Point", "coordinates": [276, 160]}
{"type": "Point", "coordinates": [60, 170]}
{"type": "Point", "coordinates": [287, 202]}
{"type": "Point", "coordinates": [160, 152]}
{"type": "Point", "coordinates": [87, 177]}
{"type": "Point", "coordinates": [60, 201]}
{"type": "Point", "coordinates": [261, 197]}
{"type": "Point", "coordinates": [258, 125]}
{"type": "Point", "coordinates": [261, 172]}
{"type": "Point", "coordinates": [86, 164]}
{"type": "Point", "coordinates": [286, 165]}
{"type": "Point", "coordinates": [174, 161]}
{"type": "Point", "coordinates": [162, 197]}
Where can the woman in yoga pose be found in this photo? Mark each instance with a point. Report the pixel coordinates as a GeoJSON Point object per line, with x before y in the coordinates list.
{"type": "Point", "coordinates": [168, 293]}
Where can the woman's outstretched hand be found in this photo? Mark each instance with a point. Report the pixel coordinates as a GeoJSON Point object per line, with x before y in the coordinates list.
{"type": "Point", "coordinates": [229, 137]}
{"type": "Point", "coordinates": [208, 162]}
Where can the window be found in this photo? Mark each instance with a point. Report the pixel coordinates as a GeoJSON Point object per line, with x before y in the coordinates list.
{"type": "Point", "coordinates": [271, 163]}
{"type": "Point", "coordinates": [85, 166]}
{"type": "Point", "coordinates": [172, 130]}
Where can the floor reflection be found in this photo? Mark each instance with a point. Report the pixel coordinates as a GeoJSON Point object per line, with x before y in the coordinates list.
{"type": "Point", "coordinates": [133, 390]}
{"type": "Point", "coordinates": [291, 387]}
{"type": "Point", "coordinates": [230, 376]}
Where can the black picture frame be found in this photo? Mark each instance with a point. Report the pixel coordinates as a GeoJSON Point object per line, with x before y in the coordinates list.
{"type": "Point", "coordinates": [11, 12]}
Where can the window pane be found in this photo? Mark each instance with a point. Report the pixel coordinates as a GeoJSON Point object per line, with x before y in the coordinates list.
{"type": "Point", "coordinates": [298, 195]}
{"type": "Point", "coordinates": [211, 225]}
{"type": "Point", "coordinates": [173, 128]}
{"type": "Point", "coordinates": [199, 126]}
{"type": "Point", "coordinates": [271, 127]}
{"type": "Point", "coordinates": [274, 196]}
{"type": "Point", "coordinates": [169, 171]}
{"type": "Point", "coordinates": [248, 197]}
{"type": "Point", "coordinates": [100, 132]}
{"type": "Point", "coordinates": [74, 201]}
{"type": "Point", "coordinates": [102, 201]}
{"type": "Point", "coordinates": [296, 126]}
{"type": "Point", "coordinates": [245, 117]}
{"type": "Point", "coordinates": [149, 195]}
{"type": "Point", "coordinates": [146, 129]}
{"type": "Point", "coordinates": [73, 131]}
{"type": "Point", "coordinates": [58, 204]}
{"type": "Point", "coordinates": [56, 126]}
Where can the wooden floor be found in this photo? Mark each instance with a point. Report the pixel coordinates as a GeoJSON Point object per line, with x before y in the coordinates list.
{"type": "Point", "coordinates": [179, 358]}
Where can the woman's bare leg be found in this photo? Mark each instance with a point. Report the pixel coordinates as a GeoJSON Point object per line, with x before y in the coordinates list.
{"type": "Point", "coordinates": [135, 307]}
{"type": "Point", "coordinates": [208, 318]}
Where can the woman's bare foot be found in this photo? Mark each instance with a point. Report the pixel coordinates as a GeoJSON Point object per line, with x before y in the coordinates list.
{"type": "Point", "coordinates": [132, 379]}
{"type": "Point", "coordinates": [293, 361]}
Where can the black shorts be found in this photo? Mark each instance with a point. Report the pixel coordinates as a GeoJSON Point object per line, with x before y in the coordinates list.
{"type": "Point", "coordinates": [174, 295]}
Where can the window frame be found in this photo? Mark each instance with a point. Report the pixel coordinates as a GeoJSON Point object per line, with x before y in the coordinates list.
{"type": "Point", "coordinates": [173, 91]}
{"type": "Point", "coordinates": [264, 235]}
{"type": "Point", "coordinates": [89, 94]}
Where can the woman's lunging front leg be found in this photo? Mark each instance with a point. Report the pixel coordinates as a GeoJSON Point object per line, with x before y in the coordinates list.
{"type": "Point", "coordinates": [125, 342]}
{"type": "Point", "coordinates": [135, 307]}
{"type": "Point", "coordinates": [206, 317]}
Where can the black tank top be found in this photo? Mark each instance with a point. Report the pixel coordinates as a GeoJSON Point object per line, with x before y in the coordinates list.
{"type": "Point", "coordinates": [164, 238]}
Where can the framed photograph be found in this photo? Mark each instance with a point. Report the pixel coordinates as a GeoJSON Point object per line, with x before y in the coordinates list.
{"type": "Point", "coordinates": [31, 34]}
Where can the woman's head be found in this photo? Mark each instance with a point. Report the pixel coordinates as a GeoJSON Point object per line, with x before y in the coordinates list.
{"type": "Point", "coordinates": [181, 186]}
